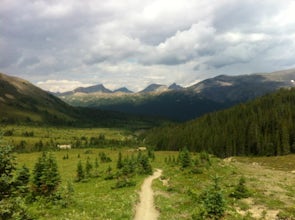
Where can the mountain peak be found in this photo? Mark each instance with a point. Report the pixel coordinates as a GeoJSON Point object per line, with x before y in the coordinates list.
{"type": "Point", "coordinates": [154, 88]}
{"type": "Point", "coordinates": [93, 89]}
{"type": "Point", "coordinates": [123, 90]}
{"type": "Point", "coordinates": [174, 86]}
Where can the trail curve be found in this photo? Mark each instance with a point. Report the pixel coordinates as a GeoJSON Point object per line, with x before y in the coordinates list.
{"type": "Point", "coordinates": [145, 210]}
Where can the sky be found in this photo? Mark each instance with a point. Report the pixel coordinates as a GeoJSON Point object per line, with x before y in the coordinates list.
{"type": "Point", "coordinates": [62, 44]}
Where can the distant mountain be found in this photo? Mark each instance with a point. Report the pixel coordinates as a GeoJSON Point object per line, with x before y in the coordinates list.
{"type": "Point", "coordinates": [181, 104]}
{"type": "Point", "coordinates": [91, 89]}
{"type": "Point", "coordinates": [23, 103]}
{"type": "Point", "coordinates": [241, 88]}
{"type": "Point", "coordinates": [174, 86]}
{"type": "Point", "coordinates": [122, 90]}
{"type": "Point", "coordinates": [154, 88]}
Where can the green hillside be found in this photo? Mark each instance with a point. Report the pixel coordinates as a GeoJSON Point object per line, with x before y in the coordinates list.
{"type": "Point", "coordinates": [23, 102]}
{"type": "Point", "coordinates": [264, 126]}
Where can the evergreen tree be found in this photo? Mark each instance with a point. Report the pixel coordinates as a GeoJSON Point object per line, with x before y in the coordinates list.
{"type": "Point", "coordinates": [12, 206]}
{"type": "Point", "coordinates": [7, 167]}
{"type": "Point", "coordinates": [22, 180]}
{"type": "Point", "coordinates": [88, 167]}
{"type": "Point", "coordinates": [144, 166]}
{"type": "Point", "coordinates": [46, 178]}
{"type": "Point", "coordinates": [151, 154]}
{"type": "Point", "coordinates": [80, 172]}
{"type": "Point", "coordinates": [96, 163]}
{"type": "Point", "coordinates": [185, 158]}
{"type": "Point", "coordinates": [119, 162]}
{"type": "Point", "coordinates": [213, 201]}
{"type": "Point", "coordinates": [241, 190]}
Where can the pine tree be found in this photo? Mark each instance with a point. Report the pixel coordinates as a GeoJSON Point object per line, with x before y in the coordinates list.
{"type": "Point", "coordinates": [213, 201]}
{"type": "Point", "coordinates": [88, 168]}
{"type": "Point", "coordinates": [96, 163]}
{"type": "Point", "coordinates": [22, 180]}
{"type": "Point", "coordinates": [7, 167]}
{"type": "Point", "coordinates": [46, 178]}
{"type": "Point", "coordinates": [80, 172]}
{"type": "Point", "coordinates": [185, 158]}
{"type": "Point", "coordinates": [12, 206]}
{"type": "Point", "coordinates": [241, 190]}
{"type": "Point", "coordinates": [144, 166]}
{"type": "Point", "coordinates": [119, 162]}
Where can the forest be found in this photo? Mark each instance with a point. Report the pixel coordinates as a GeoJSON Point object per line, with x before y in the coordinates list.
{"type": "Point", "coordinates": [264, 126]}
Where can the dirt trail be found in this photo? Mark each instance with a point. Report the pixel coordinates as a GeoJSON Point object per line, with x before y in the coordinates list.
{"type": "Point", "coordinates": [145, 210]}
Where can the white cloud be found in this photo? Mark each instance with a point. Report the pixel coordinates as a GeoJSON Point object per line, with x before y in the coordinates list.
{"type": "Point", "coordinates": [136, 42]}
{"type": "Point", "coordinates": [61, 85]}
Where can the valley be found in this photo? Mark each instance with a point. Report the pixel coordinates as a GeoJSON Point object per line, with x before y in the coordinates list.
{"type": "Point", "coordinates": [233, 164]}
{"type": "Point", "coordinates": [147, 110]}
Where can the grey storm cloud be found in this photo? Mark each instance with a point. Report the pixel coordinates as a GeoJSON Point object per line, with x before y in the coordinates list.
{"type": "Point", "coordinates": [135, 42]}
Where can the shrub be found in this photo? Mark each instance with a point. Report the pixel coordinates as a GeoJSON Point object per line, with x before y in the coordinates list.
{"type": "Point", "coordinates": [104, 158]}
{"type": "Point", "coordinates": [123, 182]}
{"type": "Point", "coordinates": [240, 190]}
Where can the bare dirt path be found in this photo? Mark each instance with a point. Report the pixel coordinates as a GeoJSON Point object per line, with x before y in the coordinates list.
{"type": "Point", "coordinates": [145, 210]}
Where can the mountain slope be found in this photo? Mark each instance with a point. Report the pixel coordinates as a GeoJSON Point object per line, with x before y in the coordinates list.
{"type": "Point", "coordinates": [240, 88]}
{"type": "Point", "coordinates": [22, 101]}
{"type": "Point", "coordinates": [265, 126]}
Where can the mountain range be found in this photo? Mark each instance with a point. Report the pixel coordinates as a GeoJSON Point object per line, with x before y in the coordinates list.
{"type": "Point", "coordinates": [181, 104]}
{"type": "Point", "coordinates": [23, 103]}
{"type": "Point", "coordinates": [101, 89]}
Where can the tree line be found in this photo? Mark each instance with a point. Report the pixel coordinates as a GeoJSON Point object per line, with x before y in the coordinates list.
{"type": "Point", "coordinates": [265, 126]}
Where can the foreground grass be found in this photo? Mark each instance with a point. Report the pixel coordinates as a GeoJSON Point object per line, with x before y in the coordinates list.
{"type": "Point", "coordinates": [271, 186]}
{"type": "Point", "coordinates": [92, 199]}
{"type": "Point", "coordinates": [176, 193]}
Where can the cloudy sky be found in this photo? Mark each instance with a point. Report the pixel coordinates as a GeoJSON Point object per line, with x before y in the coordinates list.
{"type": "Point", "coordinates": [61, 44]}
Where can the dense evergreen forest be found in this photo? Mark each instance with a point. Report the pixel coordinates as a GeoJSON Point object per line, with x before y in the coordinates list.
{"type": "Point", "coordinates": [265, 126]}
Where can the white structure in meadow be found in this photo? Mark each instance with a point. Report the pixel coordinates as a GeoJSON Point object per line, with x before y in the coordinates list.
{"type": "Point", "coordinates": [64, 146]}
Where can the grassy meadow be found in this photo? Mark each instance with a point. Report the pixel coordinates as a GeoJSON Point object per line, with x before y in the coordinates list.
{"type": "Point", "coordinates": [269, 180]}
{"type": "Point", "coordinates": [35, 138]}
{"type": "Point", "coordinates": [93, 198]}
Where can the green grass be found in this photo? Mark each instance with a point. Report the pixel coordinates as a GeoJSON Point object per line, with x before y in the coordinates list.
{"type": "Point", "coordinates": [271, 186]}
{"type": "Point", "coordinates": [51, 136]}
{"type": "Point", "coordinates": [92, 199]}
{"type": "Point", "coordinates": [271, 189]}
{"type": "Point", "coordinates": [269, 179]}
